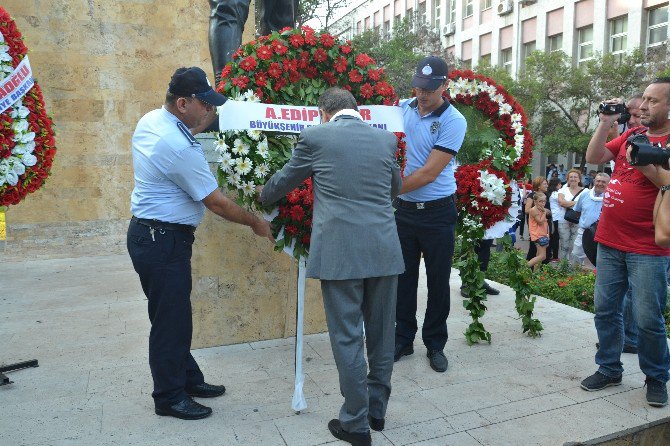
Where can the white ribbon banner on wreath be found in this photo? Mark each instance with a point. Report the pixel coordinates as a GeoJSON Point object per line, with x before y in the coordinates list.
{"type": "Point", "coordinates": [244, 115]}
{"type": "Point", "coordinates": [16, 84]}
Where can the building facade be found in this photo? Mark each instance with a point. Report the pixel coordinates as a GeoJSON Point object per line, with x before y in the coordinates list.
{"type": "Point", "coordinates": [505, 32]}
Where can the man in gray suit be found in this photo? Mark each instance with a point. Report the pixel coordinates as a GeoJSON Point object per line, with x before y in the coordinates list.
{"type": "Point", "coordinates": [354, 250]}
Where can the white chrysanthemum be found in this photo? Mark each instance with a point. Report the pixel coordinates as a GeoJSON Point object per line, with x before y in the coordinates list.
{"type": "Point", "coordinates": [494, 187]}
{"type": "Point", "coordinates": [519, 139]}
{"type": "Point", "coordinates": [26, 138]}
{"type": "Point", "coordinates": [250, 96]}
{"type": "Point", "coordinates": [237, 146]}
{"type": "Point", "coordinates": [233, 179]}
{"type": "Point", "coordinates": [249, 188]}
{"type": "Point", "coordinates": [244, 166]}
{"type": "Point", "coordinates": [255, 134]}
{"type": "Point", "coordinates": [18, 167]}
{"type": "Point", "coordinates": [505, 109]}
{"type": "Point", "coordinates": [491, 90]}
{"type": "Point", "coordinates": [220, 145]}
{"type": "Point", "coordinates": [263, 150]}
{"type": "Point", "coordinates": [518, 128]}
{"type": "Point", "coordinates": [226, 162]}
{"type": "Point", "coordinates": [261, 170]}
{"type": "Point", "coordinates": [500, 99]}
{"type": "Point", "coordinates": [516, 117]}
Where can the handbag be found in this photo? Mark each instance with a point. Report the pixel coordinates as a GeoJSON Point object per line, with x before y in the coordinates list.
{"type": "Point", "coordinates": [571, 215]}
{"type": "Point", "coordinates": [543, 241]}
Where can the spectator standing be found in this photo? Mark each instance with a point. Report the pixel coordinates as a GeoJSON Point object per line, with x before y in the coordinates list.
{"type": "Point", "coordinates": [589, 204]}
{"type": "Point", "coordinates": [538, 228]}
{"type": "Point", "coordinates": [557, 213]}
{"type": "Point", "coordinates": [566, 198]}
{"type": "Point", "coordinates": [540, 184]}
{"type": "Point", "coordinates": [561, 173]}
{"type": "Point", "coordinates": [628, 253]}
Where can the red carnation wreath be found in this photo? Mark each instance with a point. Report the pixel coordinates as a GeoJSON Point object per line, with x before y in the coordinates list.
{"type": "Point", "coordinates": [290, 67]}
{"type": "Point", "coordinates": [27, 144]}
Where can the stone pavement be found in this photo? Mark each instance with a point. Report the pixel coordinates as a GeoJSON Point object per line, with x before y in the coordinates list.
{"type": "Point", "coordinates": [85, 320]}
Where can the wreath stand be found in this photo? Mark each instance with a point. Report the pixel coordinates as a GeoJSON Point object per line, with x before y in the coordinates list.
{"type": "Point", "coordinates": [4, 380]}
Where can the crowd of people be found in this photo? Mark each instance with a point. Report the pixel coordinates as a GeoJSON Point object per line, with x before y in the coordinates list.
{"type": "Point", "coordinates": [383, 226]}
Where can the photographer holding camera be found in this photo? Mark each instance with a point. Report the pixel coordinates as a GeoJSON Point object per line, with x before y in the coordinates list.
{"type": "Point", "coordinates": [627, 250]}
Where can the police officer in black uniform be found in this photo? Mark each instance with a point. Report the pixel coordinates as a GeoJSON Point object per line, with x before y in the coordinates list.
{"type": "Point", "coordinates": [173, 186]}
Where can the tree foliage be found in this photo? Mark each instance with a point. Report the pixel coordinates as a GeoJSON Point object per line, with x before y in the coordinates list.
{"type": "Point", "coordinates": [399, 53]}
{"type": "Point", "coordinates": [322, 10]}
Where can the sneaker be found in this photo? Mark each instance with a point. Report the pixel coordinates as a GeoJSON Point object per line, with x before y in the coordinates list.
{"type": "Point", "coordinates": [598, 381]}
{"type": "Point", "coordinates": [657, 393]}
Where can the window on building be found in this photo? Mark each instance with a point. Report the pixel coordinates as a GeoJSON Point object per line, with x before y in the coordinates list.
{"type": "Point", "coordinates": [584, 44]}
{"type": "Point", "coordinates": [422, 13]}
{"type": "Point", "coordinates": [657, 33]}
{"type": "Point", "coordinates": [366, 25]}
{"type": "Point", "coordinates": [555, 42]}
{"type": "Point", "coordinates": [387, 28]}
{"type": "Point", "coordinates": [397, 20]}
{"type": "Point", "coordinates": [359, 27]}
{"type": "Point", "coordinates": [452, 11]}
{"type": "Point", "coordinates": [485, 59]}
{"type": "Point", "coordinates": [526, 51]}
{"type": "Point", "coordinates": [619, 37]}
{"type": "Point", "coordinates": [506, 59]}
{"type": "Point", "coordinates": [468, 8]}
{"type": "Point", "coordinates": [486, 4]}
{"type": "Point", "coordinates": [436, 14]}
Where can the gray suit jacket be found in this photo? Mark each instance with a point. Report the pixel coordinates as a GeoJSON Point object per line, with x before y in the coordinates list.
{"type": "Point", "coordinates": [355, 177]}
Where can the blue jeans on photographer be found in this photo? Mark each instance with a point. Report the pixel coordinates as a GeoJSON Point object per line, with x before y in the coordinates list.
{"type": "Point", "coordinates": [645, 274]}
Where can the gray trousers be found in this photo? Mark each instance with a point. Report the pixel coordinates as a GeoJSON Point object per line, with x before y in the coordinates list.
{"type": "Point", "coordinates": [351, 306]}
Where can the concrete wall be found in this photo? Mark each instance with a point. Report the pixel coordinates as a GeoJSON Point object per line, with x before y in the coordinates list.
{"type": "Point", "coordinates": [102, 64]}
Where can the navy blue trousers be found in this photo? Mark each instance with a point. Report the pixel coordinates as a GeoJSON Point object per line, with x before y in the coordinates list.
{"type": "Point", "coordinates": [164, 267]}
{"type": "Point", "coordinates": [430, 232]}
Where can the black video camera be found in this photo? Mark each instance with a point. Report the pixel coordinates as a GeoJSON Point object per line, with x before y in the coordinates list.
{"type": "Point", "coordinates": [644, 153]}
{"type": "Point", "coordinates": [611, 108]}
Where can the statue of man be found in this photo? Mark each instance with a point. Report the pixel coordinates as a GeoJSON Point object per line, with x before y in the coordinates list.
{"type": "Point", "coordinates": [226, 24]}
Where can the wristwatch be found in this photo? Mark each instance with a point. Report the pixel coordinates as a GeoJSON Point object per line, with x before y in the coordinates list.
{"type": "Point", "coordinates": [664, 188]}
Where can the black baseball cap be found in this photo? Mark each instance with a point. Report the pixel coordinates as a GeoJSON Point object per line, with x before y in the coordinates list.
{"type": "Point", "coordinates": [193, 82]}
{"type": "Point", "coordinates": [431, 72]}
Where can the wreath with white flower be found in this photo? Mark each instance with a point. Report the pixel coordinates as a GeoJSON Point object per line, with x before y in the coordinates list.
{"type": "Point", "coordinates": [27, 145]}
{"type": "Point", "coordinates": [486, 191]}
{"type": "Point", "coordinates": [290, 67]}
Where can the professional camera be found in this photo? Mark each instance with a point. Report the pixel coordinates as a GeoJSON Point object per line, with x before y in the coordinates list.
{"type": "Point", "coordinates": [644, 153]}
{"type": "Point", "coordinates": [611, 108]}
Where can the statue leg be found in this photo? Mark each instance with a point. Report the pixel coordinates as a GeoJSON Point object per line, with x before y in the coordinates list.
{"type": "Point", "coordinates": [226, 24]}
{"type": "Point", "coordinates": [277, 14]}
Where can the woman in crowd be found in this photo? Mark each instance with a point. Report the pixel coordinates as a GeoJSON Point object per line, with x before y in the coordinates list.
{"type": "Point", "coordinates": [538, 229]}
{"type": "Point", "coordinates": [567, 197]}
{"type": "Point", "coordinates": [540, 184]}
{"type": "Point", "coordinates": [557, 213]}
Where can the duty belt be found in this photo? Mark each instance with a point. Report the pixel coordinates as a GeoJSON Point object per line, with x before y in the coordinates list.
{"type": "Point", "coordinates": [440, 202]}
{"type": "Point", "coordinates": [157, 224]}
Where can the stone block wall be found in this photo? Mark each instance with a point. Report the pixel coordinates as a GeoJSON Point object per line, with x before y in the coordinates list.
{"type": "Point", "coordinates": [103, 64]}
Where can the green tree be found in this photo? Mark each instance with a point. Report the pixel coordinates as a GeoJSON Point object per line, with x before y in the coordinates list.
{"type": "Point", "coordinates": [322, 10]}
{"type": "Point", "coordinates": [399, 53]}
{"type": "Point", "coordinates": [561, 98]}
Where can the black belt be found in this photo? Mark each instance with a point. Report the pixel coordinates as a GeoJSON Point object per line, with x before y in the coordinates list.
{"type": "Point", "coordinates": [440, 202]}
{"type": "Point", "coordinates": [157, 224]}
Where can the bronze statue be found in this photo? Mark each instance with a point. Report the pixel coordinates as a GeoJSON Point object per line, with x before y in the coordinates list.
{"type": "Point", "coordinates": [226, 24]}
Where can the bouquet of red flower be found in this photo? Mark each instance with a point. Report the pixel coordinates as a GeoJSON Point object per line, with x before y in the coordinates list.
{"type": "Point", "coordinates": [291, 67]}
{"type": "Point", "coordinates": [27, 145]}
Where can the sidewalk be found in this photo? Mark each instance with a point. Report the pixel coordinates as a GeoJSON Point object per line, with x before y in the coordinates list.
{"type": "Point", "coordinates": [85, 320]}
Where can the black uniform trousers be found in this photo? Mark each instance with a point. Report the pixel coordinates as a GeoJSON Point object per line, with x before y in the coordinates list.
{"type": "Point", "coordinates": [164, 266]}
{"type": "Point", "coordinates": [431, 232]}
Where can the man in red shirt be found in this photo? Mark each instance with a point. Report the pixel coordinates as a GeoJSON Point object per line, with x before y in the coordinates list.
{"type": "Point", "coordinates": [628, 253]}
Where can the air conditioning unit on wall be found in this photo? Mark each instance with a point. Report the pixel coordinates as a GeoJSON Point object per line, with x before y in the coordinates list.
{"type": "Point", "coordinates": [505, 6]}
{"type": "Point", "coordinates": [449, 29]}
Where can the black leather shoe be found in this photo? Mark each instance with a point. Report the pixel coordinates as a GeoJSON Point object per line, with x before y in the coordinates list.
{"type": "Point", "coordinates": [402, 350]}
{"type": "Point", "coordinates": [186, 409]}
{"type": "Point", "coordinates": [205, 390]}
{"type": "Point", "coordinates": [376, 424]}
{"type": "Point", "coordinates": [490, 290]}
{"type": "Point", "coordinates": [353, 438]}
{"type": "Point", "coordinates": [438, 361]}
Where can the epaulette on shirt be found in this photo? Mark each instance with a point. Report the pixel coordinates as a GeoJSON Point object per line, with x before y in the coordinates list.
{"type": "Point", "coordinates": [187, 133]}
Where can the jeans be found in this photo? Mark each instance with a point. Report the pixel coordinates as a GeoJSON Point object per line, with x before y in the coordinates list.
{"type": "Point", "coordinates": [567, 232]}
{"type": "Point", "coordinates": [646, 276]}
{"type": "Point", "coordinates": [430, 232]}
{"type": "Point", "coordinates": [629, 324]}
